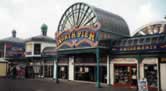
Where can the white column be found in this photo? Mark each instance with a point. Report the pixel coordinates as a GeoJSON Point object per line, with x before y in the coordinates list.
{"type": "Point", "coordinates": [108, 70]}
{"type": "Point", "coordinates": [55, 70]}
{"type": "Point", "coordinates": [71, 68]}
{"type": "Point", "coordinates": [112, 73]}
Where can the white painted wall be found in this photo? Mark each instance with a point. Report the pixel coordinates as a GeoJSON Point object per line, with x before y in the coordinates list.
{"type": "Point", "coordinates": [162, 75]}
{"type": "Point", "coordinates": [71, 68]}
{"type": "Point", "coordinates": [43, 45]}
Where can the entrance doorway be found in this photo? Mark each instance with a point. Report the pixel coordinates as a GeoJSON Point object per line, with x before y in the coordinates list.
{"type": "Point", "coordinates": [125, 75]}
{"type": "Point", "coordinates": [63, 72]}
{"type": "Point", "coordinates": [150, 73]}
{"type": "Point", "coordinates": [48, 71]}
{"type": "Point", "coordinates": [85, 73]}
{"type": "Point", "coordinates": [103, 74]}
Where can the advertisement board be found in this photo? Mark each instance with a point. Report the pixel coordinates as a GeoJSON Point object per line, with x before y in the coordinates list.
{"type": "Point", "coordinates": [15, 50]}
{"type": "Point", "coordinates": [142, 85]}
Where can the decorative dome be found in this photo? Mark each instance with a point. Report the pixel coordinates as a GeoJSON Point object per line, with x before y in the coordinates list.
{"type": "Point", "coordinates": [152, 28]}
{"type": "Point", "coordinates": [13, 38]}
{"type": "Point", "coordinates": [44, 29]}
{"type": "Point", "coordinates": [43, 37]}
{"type": "Point", "coordinates": [14, 33]}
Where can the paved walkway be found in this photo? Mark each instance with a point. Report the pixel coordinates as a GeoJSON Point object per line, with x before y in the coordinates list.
{"type": "Point", "coordinates": [51, 85]}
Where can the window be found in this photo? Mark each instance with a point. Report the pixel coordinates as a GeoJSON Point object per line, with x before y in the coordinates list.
{"type": "Point", "coordinates": [129, 42]}
{"type": "Point", "coordinates": [155, 40]}
{"type": "Point", "coordinates": [117, 43]}
{"type": "Point", "coordinates": [141, 41]}
{"type": "Point", "coordinates": [135, 41]}
{"type": "Point", "coordinates": [147, 40]}
{"type": "Point", "coordinates": [161, 39]}
{"type": "Point", "coordinates": [123, 43]}
{"type": "Point", "coordinates": [37, 49]}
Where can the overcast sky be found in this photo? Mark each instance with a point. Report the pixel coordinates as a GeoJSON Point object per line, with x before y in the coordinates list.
{"type": "Point", "coordinates": [27, 16]}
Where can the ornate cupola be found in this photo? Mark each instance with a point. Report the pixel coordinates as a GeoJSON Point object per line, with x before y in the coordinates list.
{"type": "Point", "coordinates": [14, 33]}
{"type": "Point", "coordinates": [44, 29]}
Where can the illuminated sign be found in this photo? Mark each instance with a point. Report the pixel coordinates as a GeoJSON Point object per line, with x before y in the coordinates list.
{"type": "Point", "coordinates": [78, 37]}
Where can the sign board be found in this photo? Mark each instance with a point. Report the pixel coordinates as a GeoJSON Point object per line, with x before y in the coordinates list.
{"type": "Point", "coordinates": [76, 38]}
{"type": "Point", "coordinates": [15, 50]}
{"type": "Point", "coordinates": [142, 85]}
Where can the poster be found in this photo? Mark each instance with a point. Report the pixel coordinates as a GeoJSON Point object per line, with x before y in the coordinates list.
{"type": "Point", "coordinates": [142, 85]}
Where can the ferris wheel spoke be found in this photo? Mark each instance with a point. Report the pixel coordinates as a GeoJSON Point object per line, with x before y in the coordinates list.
{"type": "Point", "coordinates": [83, 16]}
{"type": "Point", "coordinates": [87, 17]}
{"type": "Point", "coordinates": [73, 15]}
{"type": "Point", "coordinates": [78, 17]}
{"type": "Point", "coordinates": [89, 20]}
{"type": "Point", "coordinates": [68, 20]}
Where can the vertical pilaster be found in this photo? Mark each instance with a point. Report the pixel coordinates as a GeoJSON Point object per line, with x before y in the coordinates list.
{"type": "Point", "coordinates": [71, 68]}
{"type": "Point", "coordinates": [139, 59]}
{"type": "Point", "coordinates": [108, 70]}
{"type": "Point", "coordinates": [97, 68]}
{"type": "Point", "coordinates": [55, 74]}
{"type": "Point", "coordinates": [43, 64]}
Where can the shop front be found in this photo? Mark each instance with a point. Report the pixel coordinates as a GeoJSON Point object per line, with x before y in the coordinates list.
{"type": "Point", "coordinates": [149, 71]}
{"type": "Point", "coordinates": [48, 69]}
{"type": "Point", "coordinates": [124, 72]}
{"type": "Point", "coordinates": [63, 68]}
{"type": "Point", "coordinates": [85, 68]}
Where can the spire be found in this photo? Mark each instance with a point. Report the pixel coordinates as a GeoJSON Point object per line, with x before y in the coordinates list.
{"type": "Point", "coordinates": [44, 29]}
{"type": "Point", "coordinates": [14, 33]}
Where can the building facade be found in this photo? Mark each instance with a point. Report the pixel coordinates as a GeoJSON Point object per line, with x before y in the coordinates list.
{"type": "Point", "coordinates": [95, 45]}
{"type": "Point", "coordinates": [83, 42]}
{"type": "Point", "coordinates": [92, 45]}
{"type": "Point", "coordinates": [34, 47]}
{"type": "Point", "coordinates": [11, 53]}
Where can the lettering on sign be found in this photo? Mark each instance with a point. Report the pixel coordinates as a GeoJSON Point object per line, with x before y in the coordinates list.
{"type": "Point", "coordinates": [79, 37]}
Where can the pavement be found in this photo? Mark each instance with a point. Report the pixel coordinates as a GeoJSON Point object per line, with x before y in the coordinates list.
{"type": "Point", "coordinates": [51, 85]}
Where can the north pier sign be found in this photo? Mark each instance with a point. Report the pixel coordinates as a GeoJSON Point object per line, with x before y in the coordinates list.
{"type": "Point", "coordinates": [82, 37]}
